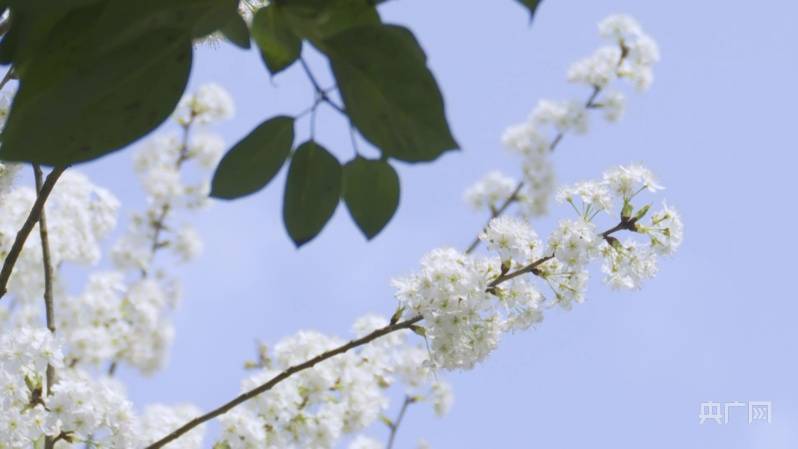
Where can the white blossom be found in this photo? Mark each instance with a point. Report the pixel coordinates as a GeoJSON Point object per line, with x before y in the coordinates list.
{"type": "Point", "coordinates": [364, 442]}
{"type": "Point", "coordinates": [597, 70]}
{"type": "Point", "coordinates": [628, 264]}
{"type": "Point", "coordinates": [187, 244]}
{"type": "Point", "coordinates": [563, 115]}
{"type": "Point", "coordinates": [513, 239]}
{"type": "Point", "coordinates": [626, 181]}
{"type": "Point", "coordinates": [206, 149]}
{"type": "Point", "coordinates": [490, 192]}
{"type": "Point", "coordinates": [209, 103]}
{"type": "Point", "coordinates": [595, 196]}
{"type": "Point", "coordinates": [613, 105]}
{"type": "Point", "coordinates": [619, 27]}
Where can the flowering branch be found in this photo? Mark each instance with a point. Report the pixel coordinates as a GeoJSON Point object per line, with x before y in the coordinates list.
{"type": "Point", "coordinates": [33, 217]}
{"type": "Point", "coordinates": [393, 327]}
{"type": "Point", "coordinates": [406, 324]}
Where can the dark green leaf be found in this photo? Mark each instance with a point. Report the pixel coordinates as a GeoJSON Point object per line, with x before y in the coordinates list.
{"type": "Point", "coordinates": [371, 193]}
{"type": "Point", "coordinates": [91, 105]}
{"type": "Point", "coordinates": [236, 31]}
{"type": "Point", "coordinates": [389, 93]}
{"type": "Point", "coordinates": [312, 191]}
{"type": "Point", "coordinates": [316, 20]}
{"type": "Point", "coordinates": [279, 46]}
{"type": "Point", "coordinates": [98, 74]}
{"type": "Point", "coordinates": [531, 5]}
{"type": "Point", "coordinates": [255, 160]}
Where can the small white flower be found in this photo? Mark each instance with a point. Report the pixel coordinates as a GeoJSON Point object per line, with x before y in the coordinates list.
{"type": "Point", "coordinates": [364, 442]}
{"type": "Point", "coordinates": [513, 239]}
{"type": "Point", "coordinates": [627, 181]}
{"type": "Point", "coordinates": [619, 27]}
{"type": "Point", "coordinates": [209, 103]}
{"type": "Point", "coordinates": [490, 192]}
{"type": "Point", "coordinates": [187, 244]}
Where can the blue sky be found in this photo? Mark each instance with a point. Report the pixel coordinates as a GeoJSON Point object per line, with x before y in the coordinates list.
{"type": "Point", "coordinates": [623, 369]}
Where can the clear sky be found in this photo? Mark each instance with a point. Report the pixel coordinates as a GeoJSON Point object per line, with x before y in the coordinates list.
{"type": "Point", "coordinates": [624, 370]}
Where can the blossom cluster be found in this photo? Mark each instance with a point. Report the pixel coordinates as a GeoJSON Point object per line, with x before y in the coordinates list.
{"type": "Point", "coordinates": [468, 301]}
{"type": "Point", "coordinates": [77, 409]}
{"type": "Point", "coordinates": [630, 55]}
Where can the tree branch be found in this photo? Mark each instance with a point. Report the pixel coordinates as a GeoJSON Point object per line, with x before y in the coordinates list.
{"type": "Point", "coordinates": [49, 442]}
{"type": "Point", "coordinates": [394, 426]}
{"type": "Point", "coordinates": [27, 227]}
{"type": "Point", "coordinates": [282, 376]}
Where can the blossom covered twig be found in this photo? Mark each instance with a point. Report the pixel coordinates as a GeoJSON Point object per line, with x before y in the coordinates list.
{"type": "Point", "coordinates": [310, 363]}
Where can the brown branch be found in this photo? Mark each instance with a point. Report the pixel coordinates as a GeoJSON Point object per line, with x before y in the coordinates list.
{"type": "Point", "coordinates": [27, 227]}
{"type": "Point", "coordinates": [281, 377]}
{"type": "Point", "coordinates": [531, 268]}
{"type": "Point", "coordinates": [394, 426]}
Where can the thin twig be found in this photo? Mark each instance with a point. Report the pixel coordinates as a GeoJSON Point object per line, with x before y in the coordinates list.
{"type": "Point", "coordinates": [394, 426]}
{"type": "Point", "coordinates": [282, 376]}
{"type": "Point", "coordinates": [321, 94]}
{"type": "Point", "coordinates": [27, 227]}
{"type": "Point", "coordinates": [159, 224]}
{"type": "Point", "coordinates": [49, 442]}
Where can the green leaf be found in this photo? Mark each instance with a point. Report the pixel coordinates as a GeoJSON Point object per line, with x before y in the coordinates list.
{"type": "Point", "coordinates": [312, 191]}
{"type": "Point", "coordinates": [98, 74]}
{"type": "Point", "coordinates": [371, 193]}
{"type": "Point", "coordinates": [236, 31]}
{"type": "Point", "coordinates": [279, 46]}
{"type": "Point", "coordinates": [252, 163]}
{"type": "Point", "coordinates": [531, 5]}
{"type": "Point", "coordinates": [91, 104]}
{"type": "Point", "coordinates": [316, 20]}
{"type": "Point", "coordinates": [389, 93]}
